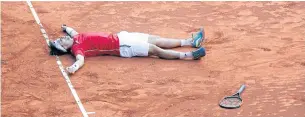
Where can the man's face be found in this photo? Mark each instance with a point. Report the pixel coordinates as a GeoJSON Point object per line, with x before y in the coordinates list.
{"type": "Point", "coordinates": [66, 42]}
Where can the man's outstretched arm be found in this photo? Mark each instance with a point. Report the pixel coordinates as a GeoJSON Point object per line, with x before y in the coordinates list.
{"type": "Point", "coordinates": [70, 31]}
{"type": "Point", "coordinates": [80, 60]}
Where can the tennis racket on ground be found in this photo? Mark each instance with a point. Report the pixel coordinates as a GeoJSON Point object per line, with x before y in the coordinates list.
{"type": "Point", "coordinates": [234, 101]}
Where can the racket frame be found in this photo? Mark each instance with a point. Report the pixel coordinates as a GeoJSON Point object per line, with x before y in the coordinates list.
{"type": "Point", "coordinates": [236, 95]}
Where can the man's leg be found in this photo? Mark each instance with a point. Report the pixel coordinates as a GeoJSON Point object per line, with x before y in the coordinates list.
{"type": "Point", "coordinates": [170, 54]}
{"type": "Point", "coordinates": [168, 42]}
{"type": "Point", "coordinates": [194, 41]}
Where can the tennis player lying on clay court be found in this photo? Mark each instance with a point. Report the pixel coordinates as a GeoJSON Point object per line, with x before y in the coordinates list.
{"type": "Point", "coordinates": [123, 44]}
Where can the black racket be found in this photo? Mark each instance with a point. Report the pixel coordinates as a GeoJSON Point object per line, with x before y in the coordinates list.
{"type": "Point", "coordinates": [234, 101]}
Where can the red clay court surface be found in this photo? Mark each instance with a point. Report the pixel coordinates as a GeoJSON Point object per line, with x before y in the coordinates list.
{"type": "Point", "coordinates": [260, 44]}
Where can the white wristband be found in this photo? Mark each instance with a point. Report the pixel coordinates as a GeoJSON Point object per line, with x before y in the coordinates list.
{"type": "Point", "coordinates": [75, 67]}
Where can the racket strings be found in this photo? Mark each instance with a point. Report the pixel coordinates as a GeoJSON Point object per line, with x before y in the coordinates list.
{"type": "Point", "coordinates": [231, 102]}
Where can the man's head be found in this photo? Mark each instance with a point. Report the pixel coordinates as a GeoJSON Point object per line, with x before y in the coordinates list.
{"type": "Point", "coordinates": [61, 45]}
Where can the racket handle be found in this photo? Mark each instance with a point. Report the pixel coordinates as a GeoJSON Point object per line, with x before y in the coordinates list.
{"type": "Point", "coordinates": [242, 88]}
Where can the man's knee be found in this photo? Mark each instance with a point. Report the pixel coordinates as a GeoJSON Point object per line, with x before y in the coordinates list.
{"type": "Point", "coordinates": [153, 49]}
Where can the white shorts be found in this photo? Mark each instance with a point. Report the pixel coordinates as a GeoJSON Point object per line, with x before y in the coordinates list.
{"type": "Point", "coordinates": [133, 44]}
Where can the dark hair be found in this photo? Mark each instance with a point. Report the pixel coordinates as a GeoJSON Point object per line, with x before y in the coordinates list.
{"type": "Point", "coordinates": [54, 51]}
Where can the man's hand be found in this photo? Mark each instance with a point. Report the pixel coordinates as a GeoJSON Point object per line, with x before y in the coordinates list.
{"type": "Point", "coordinates": [71, 69]}
{"type": "Point", "coordinates": [70, 31]}
{"type": "Point", "coordinates": [63, 27]}
{"type": "Point", "coordinates": [80, 59]}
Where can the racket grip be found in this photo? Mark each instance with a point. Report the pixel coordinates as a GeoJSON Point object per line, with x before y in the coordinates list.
{"type": "Point", "coordinates": [242, 88]}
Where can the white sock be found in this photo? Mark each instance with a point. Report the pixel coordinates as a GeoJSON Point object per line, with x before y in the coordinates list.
{"type": "Point", "coordinates": [184, 55]}
{"type": "Point", "coordinates": [186, 42]}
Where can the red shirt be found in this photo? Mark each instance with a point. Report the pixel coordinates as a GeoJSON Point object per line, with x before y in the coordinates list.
{"type": "Point", "coordinates": [94, 44]}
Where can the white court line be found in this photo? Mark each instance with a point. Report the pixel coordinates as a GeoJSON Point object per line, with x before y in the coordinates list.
{"type": "Point", "coordinates": [81, 107]}
{"type": "Point", "coordinates": [90, 113]}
